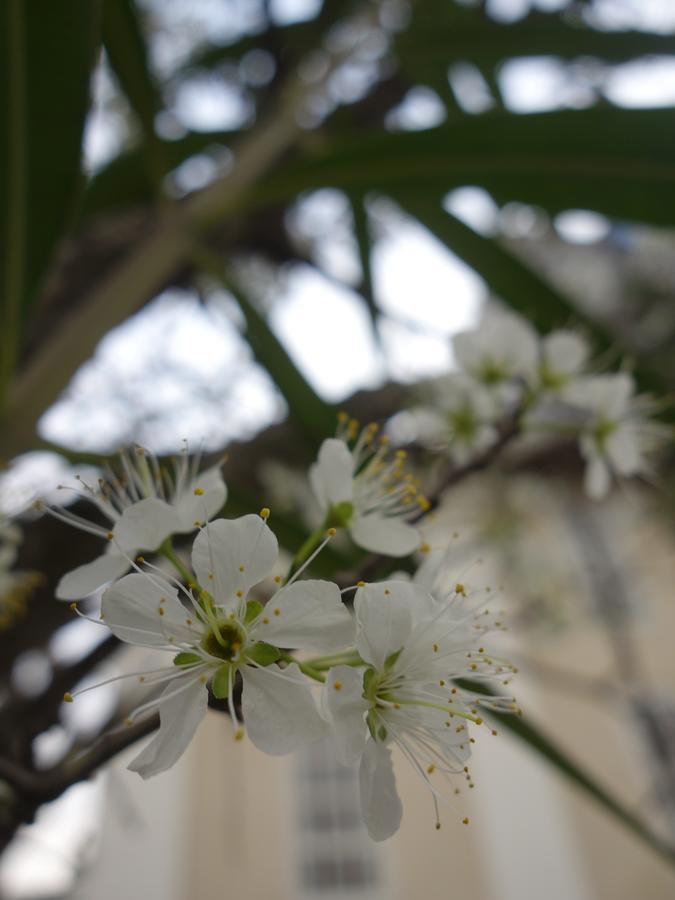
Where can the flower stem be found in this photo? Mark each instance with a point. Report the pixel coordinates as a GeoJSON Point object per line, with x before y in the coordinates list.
{"type": "Point", "coordinates": [306, 549]}
{"type": "Point", "coordinates": [305, 667]}
{"type": "Point", "coordinates": [169, 553]}
{"type": "Point", "coordinates": [349, 658]}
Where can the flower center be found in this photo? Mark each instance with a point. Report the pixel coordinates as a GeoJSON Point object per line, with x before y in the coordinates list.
{"type": "Point", "coordinates": [225, 640]}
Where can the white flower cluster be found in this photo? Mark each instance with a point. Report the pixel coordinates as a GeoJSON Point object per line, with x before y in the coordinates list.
{"type": "Point", "coordinates": [511, 378]}
{"type": "Point", "coordinates": [404, 667]}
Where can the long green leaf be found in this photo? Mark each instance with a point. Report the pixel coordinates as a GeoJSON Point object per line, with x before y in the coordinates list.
{"type": "Point", "coordinates": [540, 743]}
{"type": "Point", "coordinates": [125, 45]}
{"type": "Point", "coordinates": [546, 747]}
{"type": "Point", "coordinates": [314, 417]}
{"type": "Point", "coordinates": [521, 287]}
{"type": "Point", "coordinates": [442, 32]}
{"type": "Point", "coordinates": [47, 49]}
{"type": "Point", "coordinates": [619, 162]}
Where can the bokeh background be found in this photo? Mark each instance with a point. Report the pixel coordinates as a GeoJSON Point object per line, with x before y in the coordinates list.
{"type": "Point", "coordinates": [222, 222]}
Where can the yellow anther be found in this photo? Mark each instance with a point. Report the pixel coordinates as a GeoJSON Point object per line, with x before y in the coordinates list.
{"type": "Point", "coordinates": [239, 734]}
{"type": "Point", "coordinates": [460, 589]}
{"type": "Point", "coordinates": [128, 722]}
{"type": "Point", "coordinates": [198, 492]}
{"type": "Point", "coordinates": [441, 683]}
{"type": "Point", "coordinates": [360, 584]}
{"type": "Point", "coordinates": [72, 607]}
{"type": "Point", "coordinates": [397, 705]}
{"type": "Point", "coordinates": [331, 532]}
{"type": "Point", "coordinates": [188, 621]}
{"type": "Point", "coordinates": [160, 611]}
{"type": "Point", "coordinates": [479, 721]}
{"type": "Point", "coordinates": [343, 416]}
{"type": "Point", "coordinates": [465, 821]}
{"type": "Point", "coordinates": [337, 685]}
{"type": "Point", "coordinates": [438, 826]}
{"type": "Point", "coordinates": [277, 579]}
{"type": "Point", "coordinates": [110, 535]}
{"type": "Point", "coordinates": [141, 678]}
{"type": "Point", "coordinates": [68, 697]}
{"type": "Point", "coordinates": [140, 560]}
{"type": "Point", "coordinates": [242, 568]}
{"type": "Point", "coordinates": [423, 503]}
{"type": "Point", "coordinates": [387, 592]}
{"type": "Point", "coordinates": [203, 679]}
{"type": "Point", "coordinates": [277, 611]}
{"type": "Point", "coordinates": [265, 513]}
{"type": "Point", "coordinates": [425, 548]}
{"type": "Point", "coordinates": [435, 648]}
{"type": "Point", "coordinates": [240, 594]}
{"type": "Point", "coordinates": [266, 621]}
{"type": "Point", "coordinates": [431, 769]}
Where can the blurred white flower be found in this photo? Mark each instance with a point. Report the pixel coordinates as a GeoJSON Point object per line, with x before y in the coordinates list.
{"type": "Point", "coordinates": [415, 647]}
{"type": "Point", "coordinates": [502, 354]}
{"type": "Point", "coordinates": [221, 632]}
{"type": "Point", "coordinates": [461, 422]}
{"type": "Point", "coordinates": [616, 436]}
{"type": "Point", "coordinates": [144, 505]}
{"type": "Point", "coordinates": [368, 491]}
{"type": "Point", "coordinates": [564, 355]}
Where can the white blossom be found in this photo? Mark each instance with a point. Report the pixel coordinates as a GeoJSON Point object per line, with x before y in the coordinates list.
{"type": "Point", "coordinates": [564, 355]}
{"type": "Point", "coordinates": [461, 422]}
{"type": "Point", "coordinates": [368, 491]}
{"type": "Point", "coordinates": [502, 354]}
{"type": "Point", "coordinates": [215, 632]}
{"type": "Point", "coordinates": [144, 505]}
{"type": "Point", "coordinates": [415, 649]}
{"type": "Point", "coordinates": [616, 435]}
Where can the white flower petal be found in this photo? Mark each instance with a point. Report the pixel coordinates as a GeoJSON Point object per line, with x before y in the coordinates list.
{"type": "Point", "coordinates": [231, 555]}
{"type": "Point", "coordinates": [279, 710]}
{"type": "Point", "coordinates": [179, 717]}
{"type": "Point", "coordinates": [380, 534]}
{"type": "Point", "coordinates": [191, 507]}
{"type": "Point", "coordinates": [331, 476]}
{"type": "Point", "coordinates": [145, 609]}
{"type": "Point", "coordinates": [345, 709]}
{"type": "Point", "coordinates": [564, 352]}
{"type": "Point", "coordinates": [307, 615]}
{"type": "Point", "coordinates": [623, 450]}
{"type": "Point", "coordinates": [145, 525]}
{"type": "Point", "coordinates": [597, 478]}
{"type": "Point", "coordinates": [86, 579]}
{"type": "Point", "coordinates": [380, 804]}
{"type": "Point", "coordinates": [384, 614]}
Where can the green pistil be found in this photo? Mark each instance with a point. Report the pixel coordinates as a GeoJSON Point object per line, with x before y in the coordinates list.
{"type": "Point", "coordinates": [225, 640]}
{"type": "Point", "coordinates": [491, 372]}
{"type": "Point", "coordinates": [463, 423]}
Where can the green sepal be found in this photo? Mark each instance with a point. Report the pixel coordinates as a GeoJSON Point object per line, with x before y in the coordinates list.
{"type": "Point", "coordinates": [340, 515]}
{"type": "Point", "coordinates": [186, 659]}
{"type": "Point", "coordinates": [263, 654]}
{"type": "Point", "coordinates": [391, 659]}
{"type": "Point", "coordinates": [369, 685]}
{"type": "Point", "coordinates": [221, 682]}
{"type": "Point", "coordinates": [253, 610]}
{"type": "Point", "coordinates": [382, 733]}
{"type": "Point", "coordinates": [371, 721]}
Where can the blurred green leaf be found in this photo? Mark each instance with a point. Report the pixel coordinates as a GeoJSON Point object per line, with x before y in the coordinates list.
{"type": "Point", "coordinates": [47, 50]}
{"type": "Point", "coordinates": [124, 182]}
{"type": "Point", "coordinates": [523, 289]}
{"type": "Point", "coordinates": [125, 46]}
{"type": "Point", "coordinates": [616, 161]}
{"type": "Point", "coordinates": [316, 419]}
{"type": "Point", "coordinates": [540, 743]}
{"type": "Point", "coordinates": [364, 246]}
{"type": "Point", "coordinates": [442, 33]}
{"type": "Point", "coordinates": [547, 748]}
